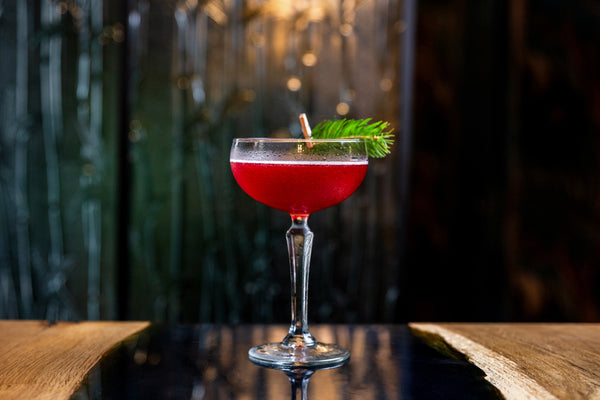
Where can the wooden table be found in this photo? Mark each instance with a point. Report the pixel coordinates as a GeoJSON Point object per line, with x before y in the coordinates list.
{"type": "Point", "coordinates": [527, 361]}
{"type": "Point", "coordinates": [39, 360]}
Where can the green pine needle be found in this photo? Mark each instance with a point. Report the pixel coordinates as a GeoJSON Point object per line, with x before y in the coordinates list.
{"type": "Point", "coordinates": [377, 135]}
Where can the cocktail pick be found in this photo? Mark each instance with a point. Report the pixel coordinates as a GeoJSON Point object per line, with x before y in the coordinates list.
{"type": "Point", "coordinates": [305, 126]}
{"type": "Point", "coordinates": [306, 129]}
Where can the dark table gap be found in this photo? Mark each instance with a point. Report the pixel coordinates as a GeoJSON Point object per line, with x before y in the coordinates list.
{"type": "Point", "coordinates": [211, 362]}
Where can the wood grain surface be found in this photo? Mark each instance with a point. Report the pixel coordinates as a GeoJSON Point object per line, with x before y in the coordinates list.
{"type": "Point", "coordinates": [39, 360]}
{"type": "Point", "coordinates": [527, 361]}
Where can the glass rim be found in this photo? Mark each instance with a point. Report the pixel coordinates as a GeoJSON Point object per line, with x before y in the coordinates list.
{"type": "Point", "coordinates": [296, 140]}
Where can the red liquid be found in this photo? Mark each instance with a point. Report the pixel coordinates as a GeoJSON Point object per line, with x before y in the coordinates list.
{"type": "Point", "coordinates": [299, 188]}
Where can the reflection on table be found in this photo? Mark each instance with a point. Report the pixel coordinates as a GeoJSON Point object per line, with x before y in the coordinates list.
{"type": "Point", "coordinates": [300, 376]}
{"type": "Point", "coordinates": [211, 362]}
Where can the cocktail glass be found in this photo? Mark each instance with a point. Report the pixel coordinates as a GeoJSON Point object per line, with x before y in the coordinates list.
{"type": "Point", "coordinates": [299, 177]}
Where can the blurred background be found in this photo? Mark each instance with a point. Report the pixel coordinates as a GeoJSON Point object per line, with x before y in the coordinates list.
{"type": "Point", "coordinates": [117, 201]}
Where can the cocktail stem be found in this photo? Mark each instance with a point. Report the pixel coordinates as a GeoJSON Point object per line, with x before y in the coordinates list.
{"type": "Point", "coordinates": [299, 241]}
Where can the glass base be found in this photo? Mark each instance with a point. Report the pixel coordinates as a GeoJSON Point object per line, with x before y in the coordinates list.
{"type": "Point", "coordinates": [278, 355]}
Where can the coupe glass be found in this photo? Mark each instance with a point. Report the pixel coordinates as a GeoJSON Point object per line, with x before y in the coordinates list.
{"type": "Point", "coordinates": [299, 177]}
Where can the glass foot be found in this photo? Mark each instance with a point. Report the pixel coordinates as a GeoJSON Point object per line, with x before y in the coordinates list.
{"type": "Point", "coordinates": [278, 355]}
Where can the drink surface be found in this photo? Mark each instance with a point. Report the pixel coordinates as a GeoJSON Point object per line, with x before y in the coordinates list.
{"type": "Point", "coordinates": [298, 187]}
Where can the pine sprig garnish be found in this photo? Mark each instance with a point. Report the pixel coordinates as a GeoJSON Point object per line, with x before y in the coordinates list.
{"type": "Point", "coordinates": [377, 135]}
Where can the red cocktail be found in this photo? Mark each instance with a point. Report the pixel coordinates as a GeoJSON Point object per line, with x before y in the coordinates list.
{"type": "Point", "coordinates": [299, 176]}
{"type": "Point", "coordinates": [299, 188]}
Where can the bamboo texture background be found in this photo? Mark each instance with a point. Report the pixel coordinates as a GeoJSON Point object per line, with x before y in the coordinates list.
{"type": "Point", "coordinates": [117, 197]}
